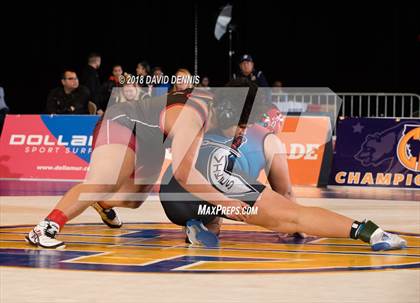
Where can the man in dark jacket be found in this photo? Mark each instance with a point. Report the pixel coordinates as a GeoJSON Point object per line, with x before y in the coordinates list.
{"type": "Point", "coordinates": [69, 98]}
{"type": "Point", "coordinates": [246, 66]}
{"type": "Point", "coordinates": [90, 77]}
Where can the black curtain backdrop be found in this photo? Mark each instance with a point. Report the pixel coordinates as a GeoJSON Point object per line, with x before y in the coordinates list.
{"type": "Point", "coordinates": [349, 47]}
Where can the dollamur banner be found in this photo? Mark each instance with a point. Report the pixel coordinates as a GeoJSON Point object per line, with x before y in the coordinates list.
{"type": "Point", "coordinates": [46, 147]}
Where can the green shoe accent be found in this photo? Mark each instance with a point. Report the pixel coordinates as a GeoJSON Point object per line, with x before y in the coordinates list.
{"type": "Point", "coordinates": [367, 230]}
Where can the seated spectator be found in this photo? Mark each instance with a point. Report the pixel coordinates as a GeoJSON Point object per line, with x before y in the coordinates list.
{"type": "Point", "coordinates": [127, 93]}
{"type": "Point", "coordinates": [143, 69]}
{"type": "Point", "coordinates": [130, 93]}
{"type": "Point", "coordinates": [205, 82]}
{"type": "Point", "coordinates": [90, 77]}
{"type": "Point", "coordinates": [278, 84]}
{"type": "Point", "coordinates": [71, 98]}
{"type": "Point", "coordinates": [277, 91]}
{"type": "Point", "coordinates": [160, 88]}
{"type": "Point", "coordinates": [107, 86]}
{"type": "Point", "coordinates": [3, 108]}
{"type": "Point", "coordinates": [182, 85]}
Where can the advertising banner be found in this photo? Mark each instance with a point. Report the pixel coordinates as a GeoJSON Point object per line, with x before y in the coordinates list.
{"type": "Point", "coordinates": [46, 148]}
{"type": "Point", "coordinates": [305, 139]}
{"type": "Point", "coordinates": [379, 152]}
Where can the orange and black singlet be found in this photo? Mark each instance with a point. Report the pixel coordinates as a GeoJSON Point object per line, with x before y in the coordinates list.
{"type": "Point", "coordinates": [140, 124]}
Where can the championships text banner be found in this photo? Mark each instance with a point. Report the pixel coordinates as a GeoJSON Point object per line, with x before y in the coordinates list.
{"type": "Point", "coordinates": [378, 152]}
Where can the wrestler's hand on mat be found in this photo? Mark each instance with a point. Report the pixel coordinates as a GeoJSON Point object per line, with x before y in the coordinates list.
{"type": "Point", "coordinates": [234, 208]}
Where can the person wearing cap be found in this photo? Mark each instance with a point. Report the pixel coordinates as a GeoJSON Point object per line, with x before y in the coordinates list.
{"type": "Point", "coordinates": [246, 66]}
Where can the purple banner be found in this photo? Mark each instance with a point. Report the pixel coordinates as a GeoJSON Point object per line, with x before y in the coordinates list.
{"type": "Point", "coordinates": [377, 152]}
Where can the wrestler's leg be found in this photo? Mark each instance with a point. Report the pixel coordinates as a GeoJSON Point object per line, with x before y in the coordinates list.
{"type": "Point", "coordinates": [98, 185]}
{"type": "Point", "coordinates": [104, 178]}
{"type": "Point", "coordinates": [124, 198]}
{"type": "Point", "coordinates": [277, 213]}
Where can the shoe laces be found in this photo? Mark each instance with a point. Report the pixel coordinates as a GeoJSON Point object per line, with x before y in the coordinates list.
{"type": "Point", "coordinates": [110, 213]}
{"type": "Point", "coordinates": [386, 236]}
{"type": "Point", "coordinates": [50, 230]}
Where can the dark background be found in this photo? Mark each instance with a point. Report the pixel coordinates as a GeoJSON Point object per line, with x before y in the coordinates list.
{"type": "Point", "coordinates": [349, 47]}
